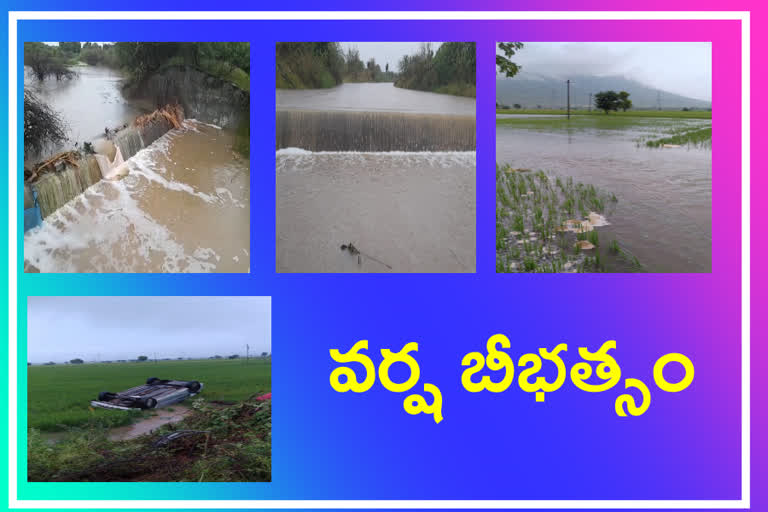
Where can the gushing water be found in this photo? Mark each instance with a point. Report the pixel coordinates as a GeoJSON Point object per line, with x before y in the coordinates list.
{"type": "Point", "coordinates": [181, 206]}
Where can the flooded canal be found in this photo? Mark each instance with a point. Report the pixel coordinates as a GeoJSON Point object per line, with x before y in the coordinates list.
{"type": "Point", "coordinates": [89, 102]}
{"type": "Point", "coordinates": [374, 97]}
{"type": "Point", "coordinates": [663, 214]}
{"type": "Point", "coordinates": [382, 180]}
{"type": "Point", "coordinates": [179, 205]}
{"type": "Point", "coordinates": [405, 212]}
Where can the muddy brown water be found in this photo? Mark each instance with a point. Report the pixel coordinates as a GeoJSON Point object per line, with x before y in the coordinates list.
{"type": "Point", "coordinates": [664, 210]}
{"type": "Point", "coordinates": [372, 97]}
{"type": "Point", "coordinates": [182, 205]}
{"type": "Point", "coordinates": [87, 103]}
{"type": "Point", "coordinates": [147, 425]}
{"type": "Point", "coordinates": [413, 212]}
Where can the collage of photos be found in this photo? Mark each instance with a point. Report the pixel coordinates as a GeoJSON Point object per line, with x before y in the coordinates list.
{"type": "Point", "coordinates": [137, 160]}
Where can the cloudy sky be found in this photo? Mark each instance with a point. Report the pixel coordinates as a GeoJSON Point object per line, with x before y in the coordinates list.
{"type": "Point", "coordinates": [682, 68]}
{"type": "Point", "coordinates": [109, 328]}
{"type": "Point", "coordinates": [385, 52]}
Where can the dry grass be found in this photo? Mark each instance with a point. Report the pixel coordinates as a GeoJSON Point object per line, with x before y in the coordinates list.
{"type": "Point", "coordinates": [174, 114]}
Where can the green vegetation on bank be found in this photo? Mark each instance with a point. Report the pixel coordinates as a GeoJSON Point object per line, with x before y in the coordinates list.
{"type": "Point", "coordinates": [449, 70]}
{"type": "Point", "coordinates": [59, 395]}
{"type": "Point", "coordinates": [216, 443]}
{"type": "Point", "coordinates": [306, 65]}
{"type": "Point", "coordinates": [689, 136]}
{"type": "Point", "coordinates": [679, 114]}
{"type": "Point", "coordinates": [228, 61]}
{"type": "Point", "coordinates": [49, 61]}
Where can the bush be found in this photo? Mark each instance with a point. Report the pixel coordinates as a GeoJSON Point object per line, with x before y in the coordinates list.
{"type": "Point", "coordinates": [42, 125]}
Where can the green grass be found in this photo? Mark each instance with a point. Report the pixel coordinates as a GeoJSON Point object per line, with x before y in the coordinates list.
{"type": "Point", "coordinates": [677, 114]}
{"type": "Point", "coordinates": [231, 444]}
{"type": "Point", "coordinates": [693, 137]}
{"type": "Point", "coordinates": [59, 396]}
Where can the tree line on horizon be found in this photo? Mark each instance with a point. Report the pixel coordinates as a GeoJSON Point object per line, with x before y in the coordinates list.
{"type": "Point", "coordinates": [310, 65]}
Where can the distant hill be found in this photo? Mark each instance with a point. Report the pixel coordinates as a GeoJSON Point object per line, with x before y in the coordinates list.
{"type": "Point", "coordinates": [533, 90]}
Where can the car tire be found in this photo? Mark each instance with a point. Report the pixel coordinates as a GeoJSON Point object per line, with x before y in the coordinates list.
{"type": "Point", "coordinates": [152, 380]}
{"type": "Point", "coordinates": [105, 396]}
{"type": "Point", "coordinates": [193, 386]}
{"type": "Point", "coordinates": [148, 403]}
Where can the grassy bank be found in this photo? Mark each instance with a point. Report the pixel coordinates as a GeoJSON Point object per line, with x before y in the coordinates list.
{"type": "Point", "coordinates": [677, 114]}
{"type": "Point", "coordinates": [59, 396]}
{"type": "Point", "coordinates": [222, 444]}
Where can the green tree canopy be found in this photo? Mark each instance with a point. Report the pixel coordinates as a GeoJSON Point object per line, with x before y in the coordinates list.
{"type": "Point", "coordinates": [504, 63]}
{"type": "Point", "coordinates": [607, 101]}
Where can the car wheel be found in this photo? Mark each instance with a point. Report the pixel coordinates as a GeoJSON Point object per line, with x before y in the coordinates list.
{"type": "Point", "coordinates": [148, 403]}
{"type": "Point", "coordinates": [106, 396]}
{"type": "Point", "coordinates": [152, 380]}
{"type": "Point", "coordinates": [193, 386]}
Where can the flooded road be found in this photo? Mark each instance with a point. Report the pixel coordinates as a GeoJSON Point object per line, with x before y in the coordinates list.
{"type": "Point", "coordinates": [181, 206]}
{"type": "Point", "coordinates": [664, 211]}
{"type": "Point", "coordinates": [405, 212]}
{"type": "Point", "coordinates": [374, 97]}
{"type": "Point", "coordinates": [89, 102]}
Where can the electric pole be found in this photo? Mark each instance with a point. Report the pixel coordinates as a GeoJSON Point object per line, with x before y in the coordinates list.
{"type": "Point", "coordinates": [658, 100]}
{"type": "Point", "coordinates": [247, 349]}
{"type": "Point", "coordinates": [590, 102]}
{"type": "Point", "coordinates": [568, 82]}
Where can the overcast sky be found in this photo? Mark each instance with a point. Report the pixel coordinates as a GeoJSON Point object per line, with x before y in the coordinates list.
{"type": "Point", "coordinates": [682, 68]}
{"type": "Point", "coordinates": [386, 52]}
{"type": "Point", "coordinates": [110, 328]}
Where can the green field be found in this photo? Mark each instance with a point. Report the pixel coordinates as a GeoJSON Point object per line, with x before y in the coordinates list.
{"type": "Point", "coordinates": [676, 114]}
{"type": "Point", "coordinates": [59, 396]}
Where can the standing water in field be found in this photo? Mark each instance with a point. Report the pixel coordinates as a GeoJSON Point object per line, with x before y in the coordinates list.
{"type": "Point", "coordinates": [663, 212]}
{"type": "Point", "coordinates": [179, 205]}
{"type": "Point", "coordinates": [373, 178]}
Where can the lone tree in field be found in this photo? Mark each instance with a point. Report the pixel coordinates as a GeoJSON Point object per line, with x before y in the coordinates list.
{"type": "Point", "coordinates": [607, 101]}
{"type": "Point", "coordinates": [76, 361]}
{"type": "Point", "coordinates": [142, 358]}
{"type": "Point", "coordinates": [504, 63]}
{"type": "Point", "coordinates": [624, 102]}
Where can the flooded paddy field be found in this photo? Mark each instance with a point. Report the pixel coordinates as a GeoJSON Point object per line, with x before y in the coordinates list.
{"type": "Point", "coordinates": [179, 205]}
{"type": "Point", "coordinates": [660, 220]}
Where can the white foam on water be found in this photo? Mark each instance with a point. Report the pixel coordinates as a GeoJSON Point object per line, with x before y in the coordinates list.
{"type": "Point", "coordinates": [193, 120]}
{"type": "Point", "coordinates": [116, 235]}
{"type": "Point", "coordinates": [106, 230]}
{"type": "Point", "coordinates": [300, 159]}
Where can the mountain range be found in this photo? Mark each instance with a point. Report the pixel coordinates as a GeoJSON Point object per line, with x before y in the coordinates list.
{"type": "Point", "coordinates": [532, 91]}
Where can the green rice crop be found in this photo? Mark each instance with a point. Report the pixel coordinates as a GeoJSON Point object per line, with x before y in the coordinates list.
{"type": "Point", "coordinates": [58, 397]}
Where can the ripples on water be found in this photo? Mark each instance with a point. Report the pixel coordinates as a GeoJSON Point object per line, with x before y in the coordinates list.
{"type": "Point", "coordinates": [182, 207]}
{"type": "Point", "coordinates": [413, 212]}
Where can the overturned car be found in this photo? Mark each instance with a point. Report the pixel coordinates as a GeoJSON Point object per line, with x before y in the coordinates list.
{"type": "Point", "coordinates": [155, 393]}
